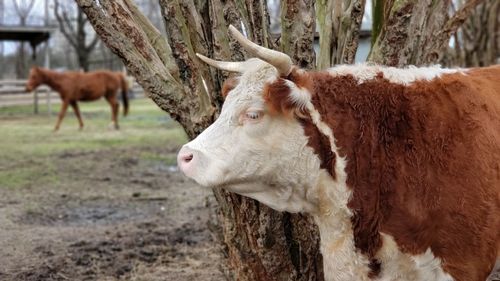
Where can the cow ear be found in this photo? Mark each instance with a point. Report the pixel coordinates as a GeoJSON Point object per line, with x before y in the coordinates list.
{"type": "Point", "coordinates": [229, 85]}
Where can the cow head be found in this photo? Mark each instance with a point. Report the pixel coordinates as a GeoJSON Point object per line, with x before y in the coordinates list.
{"type": "Point", "coordinates": [252, 148]}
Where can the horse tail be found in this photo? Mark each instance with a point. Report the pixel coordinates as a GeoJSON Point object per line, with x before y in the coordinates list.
{"type": "Point", "coordinates": [124, 87]}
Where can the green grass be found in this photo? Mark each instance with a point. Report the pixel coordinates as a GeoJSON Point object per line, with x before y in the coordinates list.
{"type": "Point", "coordinates": [25, 137]}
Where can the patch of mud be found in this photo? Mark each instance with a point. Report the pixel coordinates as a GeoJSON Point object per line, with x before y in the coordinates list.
{"type": "Point", "coordinates": [126, 218]}
{"type": "Point", "coordinates": [98, 212]}
{"type": "Point", "coordinates": [115, 253]}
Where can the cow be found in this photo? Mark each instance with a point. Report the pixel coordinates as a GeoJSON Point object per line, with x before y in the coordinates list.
{"type": "Point", "coordinates": [400, 168]}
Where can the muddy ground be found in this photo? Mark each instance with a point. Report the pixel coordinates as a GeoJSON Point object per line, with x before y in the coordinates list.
{"type": "Point", "coordinates": [115, 217]}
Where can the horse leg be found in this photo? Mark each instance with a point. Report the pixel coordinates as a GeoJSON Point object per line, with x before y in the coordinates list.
{"type": "Point", "coordinates": [64, 107]}
{"type": "Point", "coordinates": [74, 105]}
{"type": "Point", "coordinates": [114, 111]}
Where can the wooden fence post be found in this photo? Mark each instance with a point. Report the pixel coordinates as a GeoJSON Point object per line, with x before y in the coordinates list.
{"type": "Point", "coordinates": [36, 102]}
{"type": "Point", "coordinates": [49, 107]}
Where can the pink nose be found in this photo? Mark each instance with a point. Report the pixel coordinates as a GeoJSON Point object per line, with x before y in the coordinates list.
{"type": "Point", "coordinates": [185, 159]}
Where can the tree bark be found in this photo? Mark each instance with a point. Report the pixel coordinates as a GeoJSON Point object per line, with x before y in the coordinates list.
{"type": "Point", "coordinates": [298, 27]}
{"type": "Point", "coordinates": [416, 32]}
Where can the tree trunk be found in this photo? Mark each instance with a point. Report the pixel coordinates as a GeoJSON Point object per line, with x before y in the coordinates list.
{"type": "Point", "coordinates": [83, 60]}
{"type": "Point", "coordinates": [298, 25]}
{"type": "Point", "coordinates": [415, 31]}
{"type": "Point", "coordinates": [261, 244]}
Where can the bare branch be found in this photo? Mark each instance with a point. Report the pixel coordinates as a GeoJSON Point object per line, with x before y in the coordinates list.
{"type": "Point", "coordinates": [158, 42]}
{"type": "Point", "coordinates": [23, 12]}
{"type": "Point", "coordinates": [340, 22]}
{"type": "Point", "coordinates": [64, 22]}
{"type": "Point", "coordinates": [29, 8]}
{"type": "Point", "coordinates": [460, 16]}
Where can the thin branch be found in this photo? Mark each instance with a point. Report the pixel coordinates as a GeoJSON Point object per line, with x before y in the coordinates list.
{"type": "Point", "coordinates": [29, 8]}
{"type": "Point", "coordinates": [63, 21]}
{"type": "Point", "coordinates": [23, 12]}
{"type": "Point", "coordinates": [460, 16]}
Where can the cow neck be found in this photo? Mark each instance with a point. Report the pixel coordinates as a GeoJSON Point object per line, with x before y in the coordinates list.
{"type": "Point", "coordinates": [341, 261]}
{"type": "Point", "coordinates": [332, 130]}
{"type": "Point", "coordinates": [334, 218]}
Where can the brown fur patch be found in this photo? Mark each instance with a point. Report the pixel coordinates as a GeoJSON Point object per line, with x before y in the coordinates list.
{"type": "Point", "coordinates": [277, 94]}
{"type": "Point", "coordinates": [277, 97]}
{"type": "Point", "coordinates": [228, 86]}
{"type": "Point", "coordinates": [321, 146]}
{"type": "Point", "coordinates": [422, 161]}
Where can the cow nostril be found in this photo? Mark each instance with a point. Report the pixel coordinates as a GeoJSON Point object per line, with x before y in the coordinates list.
{"type": "Point", "coordinates": [187, 158]}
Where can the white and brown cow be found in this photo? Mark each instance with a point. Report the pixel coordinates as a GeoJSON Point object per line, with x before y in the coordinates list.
{"type": "Point", "coordinates": [399, 167]}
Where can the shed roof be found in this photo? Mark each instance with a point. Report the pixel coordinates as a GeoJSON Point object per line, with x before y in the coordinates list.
{"type": "Point", "coordinates": [33, 34]}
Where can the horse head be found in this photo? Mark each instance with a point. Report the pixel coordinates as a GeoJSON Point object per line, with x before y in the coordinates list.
{"type": "Point", "coordinates": [35, 79]}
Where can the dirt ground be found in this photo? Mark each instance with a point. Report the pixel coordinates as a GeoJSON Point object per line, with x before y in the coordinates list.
{"type": "Point", "coordinates": [103, 212]}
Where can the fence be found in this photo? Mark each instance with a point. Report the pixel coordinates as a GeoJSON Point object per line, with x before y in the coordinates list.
{"type": "Point", "coordinates": [13, 92]}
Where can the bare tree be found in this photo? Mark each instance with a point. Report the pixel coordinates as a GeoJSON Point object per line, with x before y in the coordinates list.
{"type": "Point", "coordinates": [75, 31]}
{"type": "Point", "coordinates": [261, 244]}
{"type": "Point", "coordinates": [23, 9]}
{"type": "Point", "coordinates": [477, 41]}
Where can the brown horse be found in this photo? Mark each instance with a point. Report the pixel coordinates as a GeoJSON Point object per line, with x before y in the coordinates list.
{"type": "Point", "coordinates": [75, 86]}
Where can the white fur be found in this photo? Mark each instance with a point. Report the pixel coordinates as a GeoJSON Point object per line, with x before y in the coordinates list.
{"type": "Point", "coordinates": [429, 267]}
{"type": "Point", "coordinates": [404, 76]}
{"type": "Point", "coordinates": [397, 265]}
{"type": "Point", "coordinates": [341, 260]}
{"type": "Point", "coordinates": [300, 97]}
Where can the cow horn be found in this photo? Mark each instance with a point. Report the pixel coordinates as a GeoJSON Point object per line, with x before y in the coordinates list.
{"type": "Point", "coordinates": [223, 65]}
{"type": "Point", "coordinates": [281, 61]}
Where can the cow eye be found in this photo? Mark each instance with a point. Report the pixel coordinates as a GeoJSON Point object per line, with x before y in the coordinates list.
{"type": "Point", "coordinates": [253, 115]}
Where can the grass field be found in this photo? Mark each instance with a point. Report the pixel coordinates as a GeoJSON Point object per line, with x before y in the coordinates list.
{"type": "Point", "coordinates": [28, 136]}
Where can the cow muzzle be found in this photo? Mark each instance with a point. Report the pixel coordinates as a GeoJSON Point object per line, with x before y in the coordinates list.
{"type": "Point", "coordinates": [185, 160]}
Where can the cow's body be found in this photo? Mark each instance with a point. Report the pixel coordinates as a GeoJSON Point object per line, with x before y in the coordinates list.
{"type": "Point", "coordinates": [399, 168]}
{"type": "Point", "coordinates": [423, 164]}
